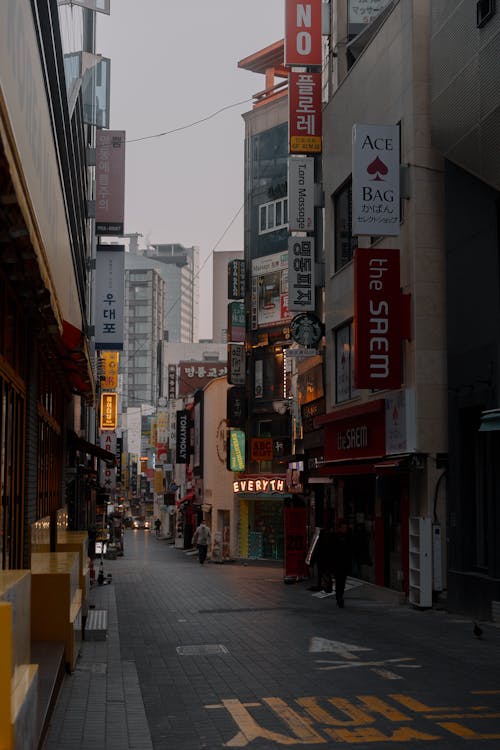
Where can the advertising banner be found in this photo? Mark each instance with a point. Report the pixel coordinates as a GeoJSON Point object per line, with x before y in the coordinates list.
{"type": "Point", "coordinates": [301, 274]}
{"type": "Point", "coordinates": [236, 279]}
{"type": "Point", "coordinates": [110, 361]}
{"type": "Point", "coordinates": [269, 305]}
{"type": "Point", "coordinates": [182, 447]}
{"type": "Point", "coordinates": [109, 295]}
{"type": "Point", "coordinates": [305, 113]}
{"type": "Point", "coordinates": [110, 182]}
{"type": "Point", "coordinates": [303, 46]}
{"type": "Point", "coordinates": [236, 374]}
{"type": "Point", "coordinates": [375, 180]}
{"type": "Point", "coordinates": [295, 522]}
{"type": "Point", "coordinates": [301, 194]}
{"type": "Point", "coordinates": [378, 313]}
{"type": "Point", "coordinates": [109, 411]}
{"type": "Point", "coordinates": [108, 473]}
{"type": "Point", "coordinates": [195, 375]}
{"type": "Point", "coordinates": [236, 322]}
{"type": "Point", "coordinates": [236, 451]}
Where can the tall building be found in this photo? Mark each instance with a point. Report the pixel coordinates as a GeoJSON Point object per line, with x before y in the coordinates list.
{"type": "Point", "coordinates": [143, 333]}
{"type": "Point", "coordinates": [181, 274]}
{"type": "Point", "coordinates": [219, 294]}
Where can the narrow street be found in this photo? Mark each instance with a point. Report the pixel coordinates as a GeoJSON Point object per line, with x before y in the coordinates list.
{"type": "Point", "coordinates": [228, 655]}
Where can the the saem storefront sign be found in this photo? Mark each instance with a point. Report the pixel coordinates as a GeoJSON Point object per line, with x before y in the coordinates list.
{"type": "Point", "coordinates": [380, 319]}
{"type": "Point", "coordinates": [355, 433]}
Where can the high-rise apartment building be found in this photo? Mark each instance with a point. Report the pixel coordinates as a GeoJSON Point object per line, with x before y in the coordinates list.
{"type": "Point", "coordinates": [181, 271]}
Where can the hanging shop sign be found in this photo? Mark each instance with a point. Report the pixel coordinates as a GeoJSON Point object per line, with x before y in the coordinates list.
{"type": "Point", "coordinates": [236, 279]}
{"type": "Point", "coordinates": [172, 381]}
{"type": "Point", "coordinates": [355, 432]}
{"type": "Point", "coordinates": [254, 485]}
{"type": "Point", "coordinates": [236, 359]}
{"type": "Point", "coordinates": [301, 194]}
{"type": "Point", "coordinates": [236, 407]}
{"type": "Point", "coordinates": [306, 329]}
{"type": "Point", "coordinates": [303, 45]}
{"type": "Point", "coordinates": [182, 447]}
{"type": "Point", "coordinates": [107, 472]}
{"type": "Point", "coordinates": [301, 277]}
{"type": "Point", "coordinates": [261, 449]}
{"type": "Point", "coordinates": [305, 113]}
{"type": "Point", "coordinates": [269, 304]}
{"type": "Point", "coordinates": [236, 451]}
{"type": "Point", "coordinates": [109, 411]}
{"type": "Point", "coordinates": [375, 180]}
{"type": "Point", "coordinates": [196, 375]}
{"type": "Point", "coordinates": [110, 182]}
{"type": "Point", "coordinates": [109, 296]}
{"type": "Point", "coordinates": [109, 361]}
{"type": "Point", "coordinates": [236, 322]}
{"type": "Point", "coordinates": [379, 321]}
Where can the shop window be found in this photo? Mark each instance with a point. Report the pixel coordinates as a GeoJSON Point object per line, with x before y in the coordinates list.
{"type": "Point", "coordinates": [342, 211]}
{"type": "Point", "coordinates": [344, 364]}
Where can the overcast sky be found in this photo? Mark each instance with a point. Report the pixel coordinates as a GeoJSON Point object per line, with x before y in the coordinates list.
{"type": "Point", "coordinates": [172, 64]}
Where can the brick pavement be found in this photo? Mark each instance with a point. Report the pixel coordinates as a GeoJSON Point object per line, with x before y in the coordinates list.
{"type": "Point", "coordinates": [190, 638]}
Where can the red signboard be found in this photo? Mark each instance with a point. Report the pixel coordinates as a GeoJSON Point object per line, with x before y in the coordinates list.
{"type": "Point", "coordinates": [305, 113]}
{"type": "Point", "coordinates": [360, 434]}
{"type": "Point", "coordinates": [295, 520]}
{"type": "Point", "coordinates": [261, 449]}
{"type": "Point", "coordinates": [303, 33]}
{"type": "Point", "coordinates": [378, 319]}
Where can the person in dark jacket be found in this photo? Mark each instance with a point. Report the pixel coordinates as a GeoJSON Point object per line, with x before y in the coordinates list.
{"type": "Point", "coordinates": [341, 560]}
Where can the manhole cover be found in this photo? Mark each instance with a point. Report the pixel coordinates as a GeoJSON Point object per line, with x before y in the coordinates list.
{"type": "Point", "coordinates": [207, 649]}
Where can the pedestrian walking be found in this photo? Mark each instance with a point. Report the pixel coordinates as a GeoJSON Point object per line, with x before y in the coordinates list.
{"type": "Point", "coordinates": [158, 526]}
{"type": "Point", "coordinates": [341, 560]}
{"type": "Point", "coordinates": [201, 538]}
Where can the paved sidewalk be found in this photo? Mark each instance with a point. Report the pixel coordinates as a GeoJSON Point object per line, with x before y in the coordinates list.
{"type": "Point", "coordinates": [100, 705]}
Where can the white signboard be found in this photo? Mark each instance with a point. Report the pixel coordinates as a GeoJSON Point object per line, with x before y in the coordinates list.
{"type": "Point", "coordinates": [109, 294]}
{"type": "Point", "coordinates": [301, 274]}
{"type": "Point", "coordinates": [364, 11]}
{"type": "Point", "coordinates": [375, 180]}
{"type": "Point", "coordinates": [301, 193]}
{"type": "Point", "coordinates": [400, 427]}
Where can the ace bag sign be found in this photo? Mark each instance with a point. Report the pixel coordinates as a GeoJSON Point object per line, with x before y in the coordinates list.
{"type": "Point", "coordinates": [375, 180]}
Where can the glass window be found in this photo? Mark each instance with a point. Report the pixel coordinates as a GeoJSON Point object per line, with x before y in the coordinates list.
{"type": "Point", "coordinates": [344, 364]}
{"type": "Point", "coordinates": [273, 215]}
{"type": "Point", "coordinates": [342, 211]}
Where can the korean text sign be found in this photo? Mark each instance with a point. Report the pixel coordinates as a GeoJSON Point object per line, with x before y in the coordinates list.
{"type": "Point", "coordinates": [109, 294]}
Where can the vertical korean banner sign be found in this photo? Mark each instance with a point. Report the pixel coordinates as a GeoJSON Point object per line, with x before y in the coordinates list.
{"type": "Point", "coordinates": [110, 182]}
{"type": "Point", "coordinates": [109, 294]}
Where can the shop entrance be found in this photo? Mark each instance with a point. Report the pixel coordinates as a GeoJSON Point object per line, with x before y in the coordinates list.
{"type": "Point", "coordinates": [261, 529]}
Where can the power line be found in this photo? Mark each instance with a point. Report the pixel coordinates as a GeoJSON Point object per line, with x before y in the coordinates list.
{"type": "Point", "coordinates": [191, 124]}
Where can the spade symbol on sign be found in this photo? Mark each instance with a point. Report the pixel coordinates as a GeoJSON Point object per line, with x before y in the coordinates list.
{"type": "Point", "coordinates": [377, 167]}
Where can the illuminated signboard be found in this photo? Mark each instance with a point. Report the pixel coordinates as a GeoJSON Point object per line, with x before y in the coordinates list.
{"type": "Point", "coordinates": [236, 450]}
{"type": "Point", "coordinates": [109, 411]}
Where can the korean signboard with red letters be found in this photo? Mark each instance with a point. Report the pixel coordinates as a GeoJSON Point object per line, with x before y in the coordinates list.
{"type": "Point", "coordinates": [305, 113]}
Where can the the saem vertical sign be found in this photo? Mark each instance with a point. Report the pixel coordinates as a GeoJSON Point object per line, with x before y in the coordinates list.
{"type": "Point", "coordinates": [380, 320]}
{"type": "Point", "coordinates": [182, 438]}
{"type": "Point", "coordinates": [303, 33]}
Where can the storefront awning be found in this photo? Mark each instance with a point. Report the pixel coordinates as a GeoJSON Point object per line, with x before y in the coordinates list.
{"type": "Point", "coordinates": [93, 450]}
{"type": "Point", "coordinates": [75, 359]}
{"type": "Point", "coordinates": [382, 466]}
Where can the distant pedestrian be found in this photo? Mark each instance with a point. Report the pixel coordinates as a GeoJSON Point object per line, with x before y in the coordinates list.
{"type": "Point", "coordinates": [158, 526]}
{"type": "Point", "coordinates": [341, 560]}
{"type": "Point", "coordinates": [201, 538]}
